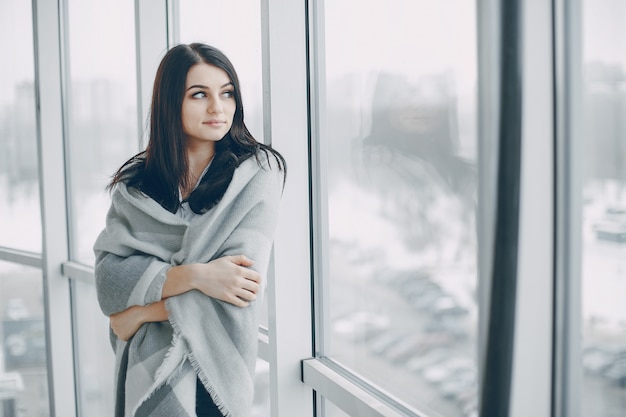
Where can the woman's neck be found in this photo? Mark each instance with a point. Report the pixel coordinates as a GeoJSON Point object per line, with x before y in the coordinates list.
{"type": "Point", "coordinates": [199, 157]}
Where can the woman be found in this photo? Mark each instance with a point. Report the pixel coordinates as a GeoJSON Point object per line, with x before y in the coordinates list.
{"type": "Point", "coordinates": [187, 240]}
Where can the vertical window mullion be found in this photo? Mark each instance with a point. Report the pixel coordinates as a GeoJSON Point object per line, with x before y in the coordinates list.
{"type": "Point", "coordinates": [152, 38]}
{"type": "Point", "coordinates": [530, 390]}
{"type": "Point", "coordinates": [51, 153]}
{"type": "Point", "coordinates": [286, 122]}
{"type": "Point", "coordinates": [569, 252]}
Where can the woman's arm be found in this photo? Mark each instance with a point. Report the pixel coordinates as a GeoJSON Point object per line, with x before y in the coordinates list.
{"type": "Point", "coordinates": [126, 323]}
{"type": "Point", "coordinates": [228, 278]}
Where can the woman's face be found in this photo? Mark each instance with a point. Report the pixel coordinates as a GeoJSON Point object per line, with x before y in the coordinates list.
{"type": "Point", "coordinates": [208, 105]}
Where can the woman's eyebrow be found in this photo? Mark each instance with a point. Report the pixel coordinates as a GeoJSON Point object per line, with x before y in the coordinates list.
{"type": "Point", "coordinates": [207, 88]}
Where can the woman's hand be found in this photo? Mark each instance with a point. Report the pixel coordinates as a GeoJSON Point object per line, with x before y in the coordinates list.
{"type": "Point", "coordinates": [229, 279]}
{"type": "Point", "coordinates": [126, 323]}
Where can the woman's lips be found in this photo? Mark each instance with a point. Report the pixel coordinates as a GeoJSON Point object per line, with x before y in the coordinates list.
{"type": "Point", "coordinates": [214, 122]}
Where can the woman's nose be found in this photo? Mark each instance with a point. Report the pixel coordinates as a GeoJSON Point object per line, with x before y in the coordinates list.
{"type": "Point", "coordinates": [214, 105]}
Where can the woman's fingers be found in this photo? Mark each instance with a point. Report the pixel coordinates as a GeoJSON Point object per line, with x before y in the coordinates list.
{"type": "Point", "coordinates": [238, 302]}
{"type": "Point", "coordinates": [249, 286]}
{"type": "Point", "coordinates": [230, 279]}
{"type": "Point", "coordinates": [242, 260]}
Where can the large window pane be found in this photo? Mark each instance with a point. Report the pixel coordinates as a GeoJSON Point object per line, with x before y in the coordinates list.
{"type": "Point", "coordinates": [23, 366]}
{"type": "Point", "coordinates": [20, 219]}
{"type": "Point", "coordinates": [103, 129]}
{"type": "Point", "coordinates": [94, 352]}
{"type": "Point", "coordinates": [399, 133]}
{"type": "Point", "coordinates": [604, 211]}
{"type": "Point", "coordinates": [102, 135]}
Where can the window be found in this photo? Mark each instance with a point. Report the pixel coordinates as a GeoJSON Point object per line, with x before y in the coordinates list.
{"type": "Point", "coordinates": [20, 219]}
{"type": "Point", "coordinates": [23, 364]}
{"type": "Point", "coordinates": [102, 135]}
{"type": "Point", "coordinates": [604, 208]}
{"type": "Point", "coordinates": [397, 145]}
{"type": "Point", "coordinates": [103, 131]}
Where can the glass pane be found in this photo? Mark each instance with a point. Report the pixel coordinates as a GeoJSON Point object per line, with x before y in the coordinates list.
{"type": "Point", "coordinates": [211, 22]}
{"type": "Point", "coordinates": [20, 218]}
{"type": "Point", "coordinates": [400, 132]}
{"type": "Point", "coordinates": [94, 352]}
{"type": "Point", "coordinates": [102, 110]}
{"type": "Point", "coordinates": [23, 366]}
{"type": "Point", "coordinates": [604, 211]}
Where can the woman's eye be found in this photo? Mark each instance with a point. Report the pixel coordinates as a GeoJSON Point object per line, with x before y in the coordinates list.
{"type": "Point", "coordinates": [229, 94]}
{"type": "Point", "coordinates": [199, 94]}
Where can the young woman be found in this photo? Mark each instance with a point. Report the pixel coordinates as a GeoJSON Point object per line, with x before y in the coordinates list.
{"type": "Point", "coordinates": [187, 240]}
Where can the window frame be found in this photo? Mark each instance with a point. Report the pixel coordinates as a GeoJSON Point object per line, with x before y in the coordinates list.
{"type": "Point", "coordinates": [567, 370]}
{"type": "Point", "coordinates": [49, 90]}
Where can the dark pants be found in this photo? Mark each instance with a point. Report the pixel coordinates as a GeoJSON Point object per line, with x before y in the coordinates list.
{"type": "Point", "coordinates": [205, 407]}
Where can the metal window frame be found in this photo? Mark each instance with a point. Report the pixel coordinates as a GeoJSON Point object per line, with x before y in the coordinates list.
{"type": "Point", "coordinates": [532, 376]}
{"type": "Point", "coordinates": [155, 30]}
{"type": "Point", "coordinates": [567, 372]}
{"type": "Point", "coordinates": [21, 257]}
{"type": "Point", "coordinates": [48, 21]}
{"type": "Point", "coordinates": [286, 124]}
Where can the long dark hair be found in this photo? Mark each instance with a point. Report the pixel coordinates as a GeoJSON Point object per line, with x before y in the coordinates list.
{"type": "Point", "coordinates": [163, 167]}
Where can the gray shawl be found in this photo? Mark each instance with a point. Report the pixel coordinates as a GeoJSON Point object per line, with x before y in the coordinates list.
{"type": "Point", "coordinates": [217, 342]}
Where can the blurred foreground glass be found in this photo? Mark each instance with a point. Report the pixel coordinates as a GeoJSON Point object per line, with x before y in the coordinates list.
{"type": "Point", "coordinates": [20, 218]}
{"type": "Point", "coordinates": [604, 209]}
{"type": "Point", "coordinates": [23, 365]}
{"type": "Point", "coordinates": [399, 126]}
{"type": "Point", "coordinates": [103, 131]}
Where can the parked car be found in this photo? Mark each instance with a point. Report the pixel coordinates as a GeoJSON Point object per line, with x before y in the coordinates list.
{"type": "Point", "coordinates": [612, 225]}
{"type": "Point", "coordinates": [382, 342]}
{"type": "Point", "coordinates": [416, 345]}
{"type": "Point", "coordinates": [455, 367]}
{"type": "Point", "coordinates": [457, 387]}
{"type": "Point", "coordinates": [418, 363]}
{"type": "Point", "coordinates": [612, 232]}
{"type": "Point", "coordinates": [596, 359]}
{"type": "Point", "coordinates": [616, 373]}
{"type": "Point", "coordinates": [11, 383]}
{"type": "Point", "coordinates": [360, 325]}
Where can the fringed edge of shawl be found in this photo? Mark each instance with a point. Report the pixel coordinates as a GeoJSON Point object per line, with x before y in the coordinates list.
{"type": "Point", "coordinates": [159, 379]}
{"type": "Point", "coordinates": [198, 370]}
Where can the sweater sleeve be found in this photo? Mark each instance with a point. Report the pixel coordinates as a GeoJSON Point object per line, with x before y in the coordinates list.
{"type": "Point", "coordinates": [122, 282]}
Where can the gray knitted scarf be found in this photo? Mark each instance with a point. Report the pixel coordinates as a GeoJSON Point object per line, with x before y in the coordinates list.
{"type": "Point", "coordinates": [217, 342]}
